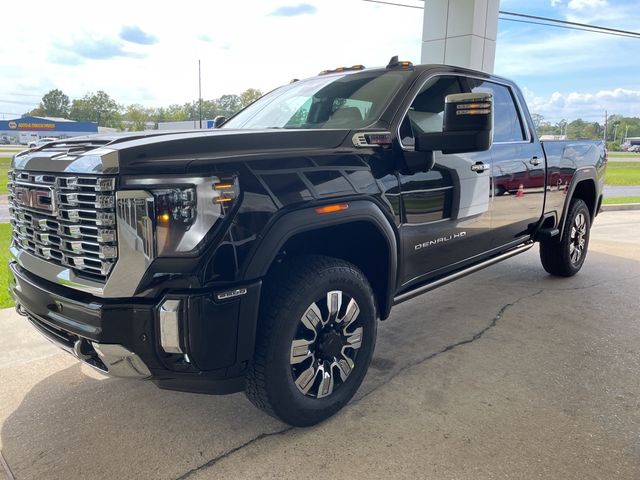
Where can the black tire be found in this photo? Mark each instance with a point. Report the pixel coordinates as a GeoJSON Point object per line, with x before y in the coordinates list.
{"type": "Point", "coordinates": [565, 258]}
{"type": "Point", "coordinates": [290, 292]}
{"type": "Point", "coordinates": [500, 190]}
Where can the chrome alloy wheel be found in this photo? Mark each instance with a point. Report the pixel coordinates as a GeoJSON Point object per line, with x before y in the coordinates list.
{"type": "Point", "coordinates": [577, 241]}
{"type": "Point", "coordinates": [326, 344]}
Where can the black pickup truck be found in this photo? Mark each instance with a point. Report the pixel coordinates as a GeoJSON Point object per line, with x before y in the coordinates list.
{"type": "Point", "coordinates": [259, 255]}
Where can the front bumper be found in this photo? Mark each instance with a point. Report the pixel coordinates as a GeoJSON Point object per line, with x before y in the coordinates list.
{"type": "Point", "coordinates": [121, 337]}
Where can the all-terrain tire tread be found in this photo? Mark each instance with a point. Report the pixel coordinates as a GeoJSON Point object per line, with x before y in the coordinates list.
{"type": "Point", "coordinates": [279, 289]}
{"type": "Point", "coordinates": [554, 254]}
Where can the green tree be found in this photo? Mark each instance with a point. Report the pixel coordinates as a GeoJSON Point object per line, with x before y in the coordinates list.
{"type": "Point", "coordinates": [136, 117]}
{"type": "Point", "coordinates": [537, 120]}
{"type": "Point", "coordinates": [249, 96]}
{"type": "Point", "coordinates": [228, 105]}
{"type": "Point", "coordinates": [55, 104]}
{"type": "Point", "coordinates": [97, 107]}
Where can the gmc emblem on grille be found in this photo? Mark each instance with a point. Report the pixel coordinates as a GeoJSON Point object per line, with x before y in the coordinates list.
{"type": "Point", "coordinates": [38, 198]}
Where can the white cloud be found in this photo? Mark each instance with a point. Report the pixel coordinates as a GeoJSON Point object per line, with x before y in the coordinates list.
{"type": "Point", "coordinates": [586, 105]}
{"type": "Point", "coordinates": [240, 44]}
{"type": "Point", "coordinates": [586, 4]}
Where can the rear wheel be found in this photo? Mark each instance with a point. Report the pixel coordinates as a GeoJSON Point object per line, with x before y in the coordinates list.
{"type": "Point", "coordinates": [315, 339]}
{"type": "Point", "coordinates": [566, 257]}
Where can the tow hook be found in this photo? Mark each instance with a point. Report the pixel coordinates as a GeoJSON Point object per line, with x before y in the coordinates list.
{"type": "Point", "coordinates": [82, 349]}
{"type": "Point", "coordinates": [20, 310]}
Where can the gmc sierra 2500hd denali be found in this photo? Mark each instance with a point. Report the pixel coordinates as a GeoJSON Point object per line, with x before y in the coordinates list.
{"type": "Point", "coordinates": [259, 256]}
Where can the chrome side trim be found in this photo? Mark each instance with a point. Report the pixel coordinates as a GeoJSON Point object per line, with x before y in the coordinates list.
{"type": "Point", "coordinates": [459, 274]}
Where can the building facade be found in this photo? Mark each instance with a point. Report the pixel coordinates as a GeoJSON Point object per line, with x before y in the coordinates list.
{"type": "Point", "coordinates": [26, 129]}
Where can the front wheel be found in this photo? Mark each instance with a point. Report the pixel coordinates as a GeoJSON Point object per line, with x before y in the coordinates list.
{"type": "Point", "coordinates": [565, 258]}
{"type": "Point", "coordinates": [315, 339]}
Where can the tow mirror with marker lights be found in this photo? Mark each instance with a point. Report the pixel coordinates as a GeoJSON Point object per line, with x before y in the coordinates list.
{"type": "Point", "coordinates": [467, 125]}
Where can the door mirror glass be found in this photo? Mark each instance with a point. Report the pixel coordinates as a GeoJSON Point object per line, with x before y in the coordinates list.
{"type": "Point", "coordinates": [467, 125]}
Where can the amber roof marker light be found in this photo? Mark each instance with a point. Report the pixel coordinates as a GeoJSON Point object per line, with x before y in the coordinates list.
{"type": "Point", "coordinates": [333, 208]}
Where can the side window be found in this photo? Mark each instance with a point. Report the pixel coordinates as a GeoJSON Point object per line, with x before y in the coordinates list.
{"type": "Point", "coordinates": [426, 112]}
{"type": "Point", "coordinates": [507, 124]}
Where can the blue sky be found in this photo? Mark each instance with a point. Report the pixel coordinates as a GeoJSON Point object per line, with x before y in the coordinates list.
{"type": "Point", "coordinates": [568, 73]}
{"type": "Point", "coordinates": [147, 52]}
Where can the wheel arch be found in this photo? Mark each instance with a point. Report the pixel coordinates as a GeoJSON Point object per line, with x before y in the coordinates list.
{"type": "Point", "coordinates": [583, 186]}
{"type": "Point", "coordinates": [361, 234]}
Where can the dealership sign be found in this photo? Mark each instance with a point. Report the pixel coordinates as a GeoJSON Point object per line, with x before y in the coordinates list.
{"type": "Point", "coordinates": [47, 125]}
{"type": "Point", "coordinates": [31, 126]}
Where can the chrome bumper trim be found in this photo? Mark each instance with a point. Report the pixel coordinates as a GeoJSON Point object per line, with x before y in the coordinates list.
{"type": "Point", "coordinates": [120, 362]}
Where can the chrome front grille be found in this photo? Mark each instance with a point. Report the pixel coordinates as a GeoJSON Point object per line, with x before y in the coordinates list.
{"type": "Point", "coordinates": [65, 219]}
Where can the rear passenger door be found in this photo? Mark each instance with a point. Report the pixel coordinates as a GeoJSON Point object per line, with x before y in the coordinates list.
{"type": "Point", "coordinates": [517, 167]}
{"type": "Point", "coordinates": [445, 217]}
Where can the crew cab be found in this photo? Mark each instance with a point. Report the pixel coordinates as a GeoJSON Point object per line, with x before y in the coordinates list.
{"type": "Point", "coordinates": [259, 255]}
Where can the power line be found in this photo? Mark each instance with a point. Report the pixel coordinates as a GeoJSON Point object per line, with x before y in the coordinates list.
{"type": "Point", "coordinates": [564, 23]}
{"type": "Point", "coordinates": [568, 28]}
{"type": "Point", "coordinates": [14, 94]}
{"type": "Point", "coordinates": [15, 102]}
{"type": "Point", "coordinates": [394, 4]}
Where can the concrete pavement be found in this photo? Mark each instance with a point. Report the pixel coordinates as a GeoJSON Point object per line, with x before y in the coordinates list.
{"type": "Point", "coordinates": [508, 373]}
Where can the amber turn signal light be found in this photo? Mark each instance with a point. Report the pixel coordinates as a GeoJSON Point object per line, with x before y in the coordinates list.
{"type": "Point", "coordinates": [336, 207]}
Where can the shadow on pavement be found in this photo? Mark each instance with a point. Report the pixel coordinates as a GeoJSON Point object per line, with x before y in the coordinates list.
{"type": "Point", "coordinates": [71, 425]}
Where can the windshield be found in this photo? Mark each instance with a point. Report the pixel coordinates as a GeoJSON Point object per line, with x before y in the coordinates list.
{"type": "Point", "coordinates": [344, 101]}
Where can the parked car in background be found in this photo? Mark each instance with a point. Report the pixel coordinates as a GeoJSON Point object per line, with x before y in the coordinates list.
{"type": "Point", "coordinates": [41, 141]}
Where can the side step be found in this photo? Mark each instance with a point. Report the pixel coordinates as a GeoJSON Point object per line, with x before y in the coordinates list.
{"type": "Point", "coordinates": [546, 234]}
{"type": "Point", "coordinates": [459, 274]}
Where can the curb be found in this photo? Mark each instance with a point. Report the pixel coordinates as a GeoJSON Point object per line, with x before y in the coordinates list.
{"type": "Point", "coordinates": [620, 206]}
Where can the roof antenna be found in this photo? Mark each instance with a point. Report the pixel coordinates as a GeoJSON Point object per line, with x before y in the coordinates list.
{"type": "Point", "coordinates": [393, 62]}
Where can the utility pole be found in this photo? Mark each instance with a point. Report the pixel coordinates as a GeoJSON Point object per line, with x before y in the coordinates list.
{"type": "Point", "coordinates": [200, 92]}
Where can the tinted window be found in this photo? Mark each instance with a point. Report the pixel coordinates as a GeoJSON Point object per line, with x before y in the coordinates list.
{"type": "Point", "coordinates": [426, 112]}
{"type": "Point", "coordinates": [350, 101]}
{"type": "Point", "coordinates": [507, 126]}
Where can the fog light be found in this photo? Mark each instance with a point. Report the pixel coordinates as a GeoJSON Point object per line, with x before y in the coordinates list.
{"type": "Point", "coordinates": [170, 326]}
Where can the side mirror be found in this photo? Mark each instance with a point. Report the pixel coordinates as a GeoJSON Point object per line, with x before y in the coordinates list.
{"type": "Point", "coordinates": [467, 125]}
{"type": "Point", "coordinates": [218, 121]}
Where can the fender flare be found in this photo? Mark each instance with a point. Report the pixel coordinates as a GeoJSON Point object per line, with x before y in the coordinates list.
{"type": "Point", "coordinates": [289, 224]}
{"type": "Point", "coordinates": [580, 175]}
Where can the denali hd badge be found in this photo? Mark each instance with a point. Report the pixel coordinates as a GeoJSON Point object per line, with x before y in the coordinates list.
{"type": "Point", "coordinates": [39, 198]}
{"type": "Point", "coordinates": [446, 238]}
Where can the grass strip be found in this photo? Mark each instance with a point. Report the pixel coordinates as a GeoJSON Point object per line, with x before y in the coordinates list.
{"type": "Point", "coordinates": [5, 239]}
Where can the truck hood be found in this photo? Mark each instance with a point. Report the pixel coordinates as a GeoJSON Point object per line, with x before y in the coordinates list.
{"type": "Point", "coordinates": [171, 152]}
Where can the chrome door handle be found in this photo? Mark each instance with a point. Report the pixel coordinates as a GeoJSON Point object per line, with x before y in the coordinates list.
{"type": "Point", "coordinates": [479, 167]}
{"type": "Point", "coordinates": [535, 161]}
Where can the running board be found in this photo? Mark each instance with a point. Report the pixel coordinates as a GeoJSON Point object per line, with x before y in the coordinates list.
{"type": "Point", "coordinates": [459, 274]}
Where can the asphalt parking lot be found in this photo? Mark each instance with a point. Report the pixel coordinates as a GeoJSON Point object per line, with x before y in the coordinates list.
{"type": "Point", "coordinates": [508, 373]}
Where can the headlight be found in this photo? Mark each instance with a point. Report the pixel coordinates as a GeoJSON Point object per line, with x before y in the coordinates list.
{"type": "Point", "coordinates": [187, 208]}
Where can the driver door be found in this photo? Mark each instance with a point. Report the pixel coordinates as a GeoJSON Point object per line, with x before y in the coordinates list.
{"type": "Point", "coordinates": [445, 216]}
